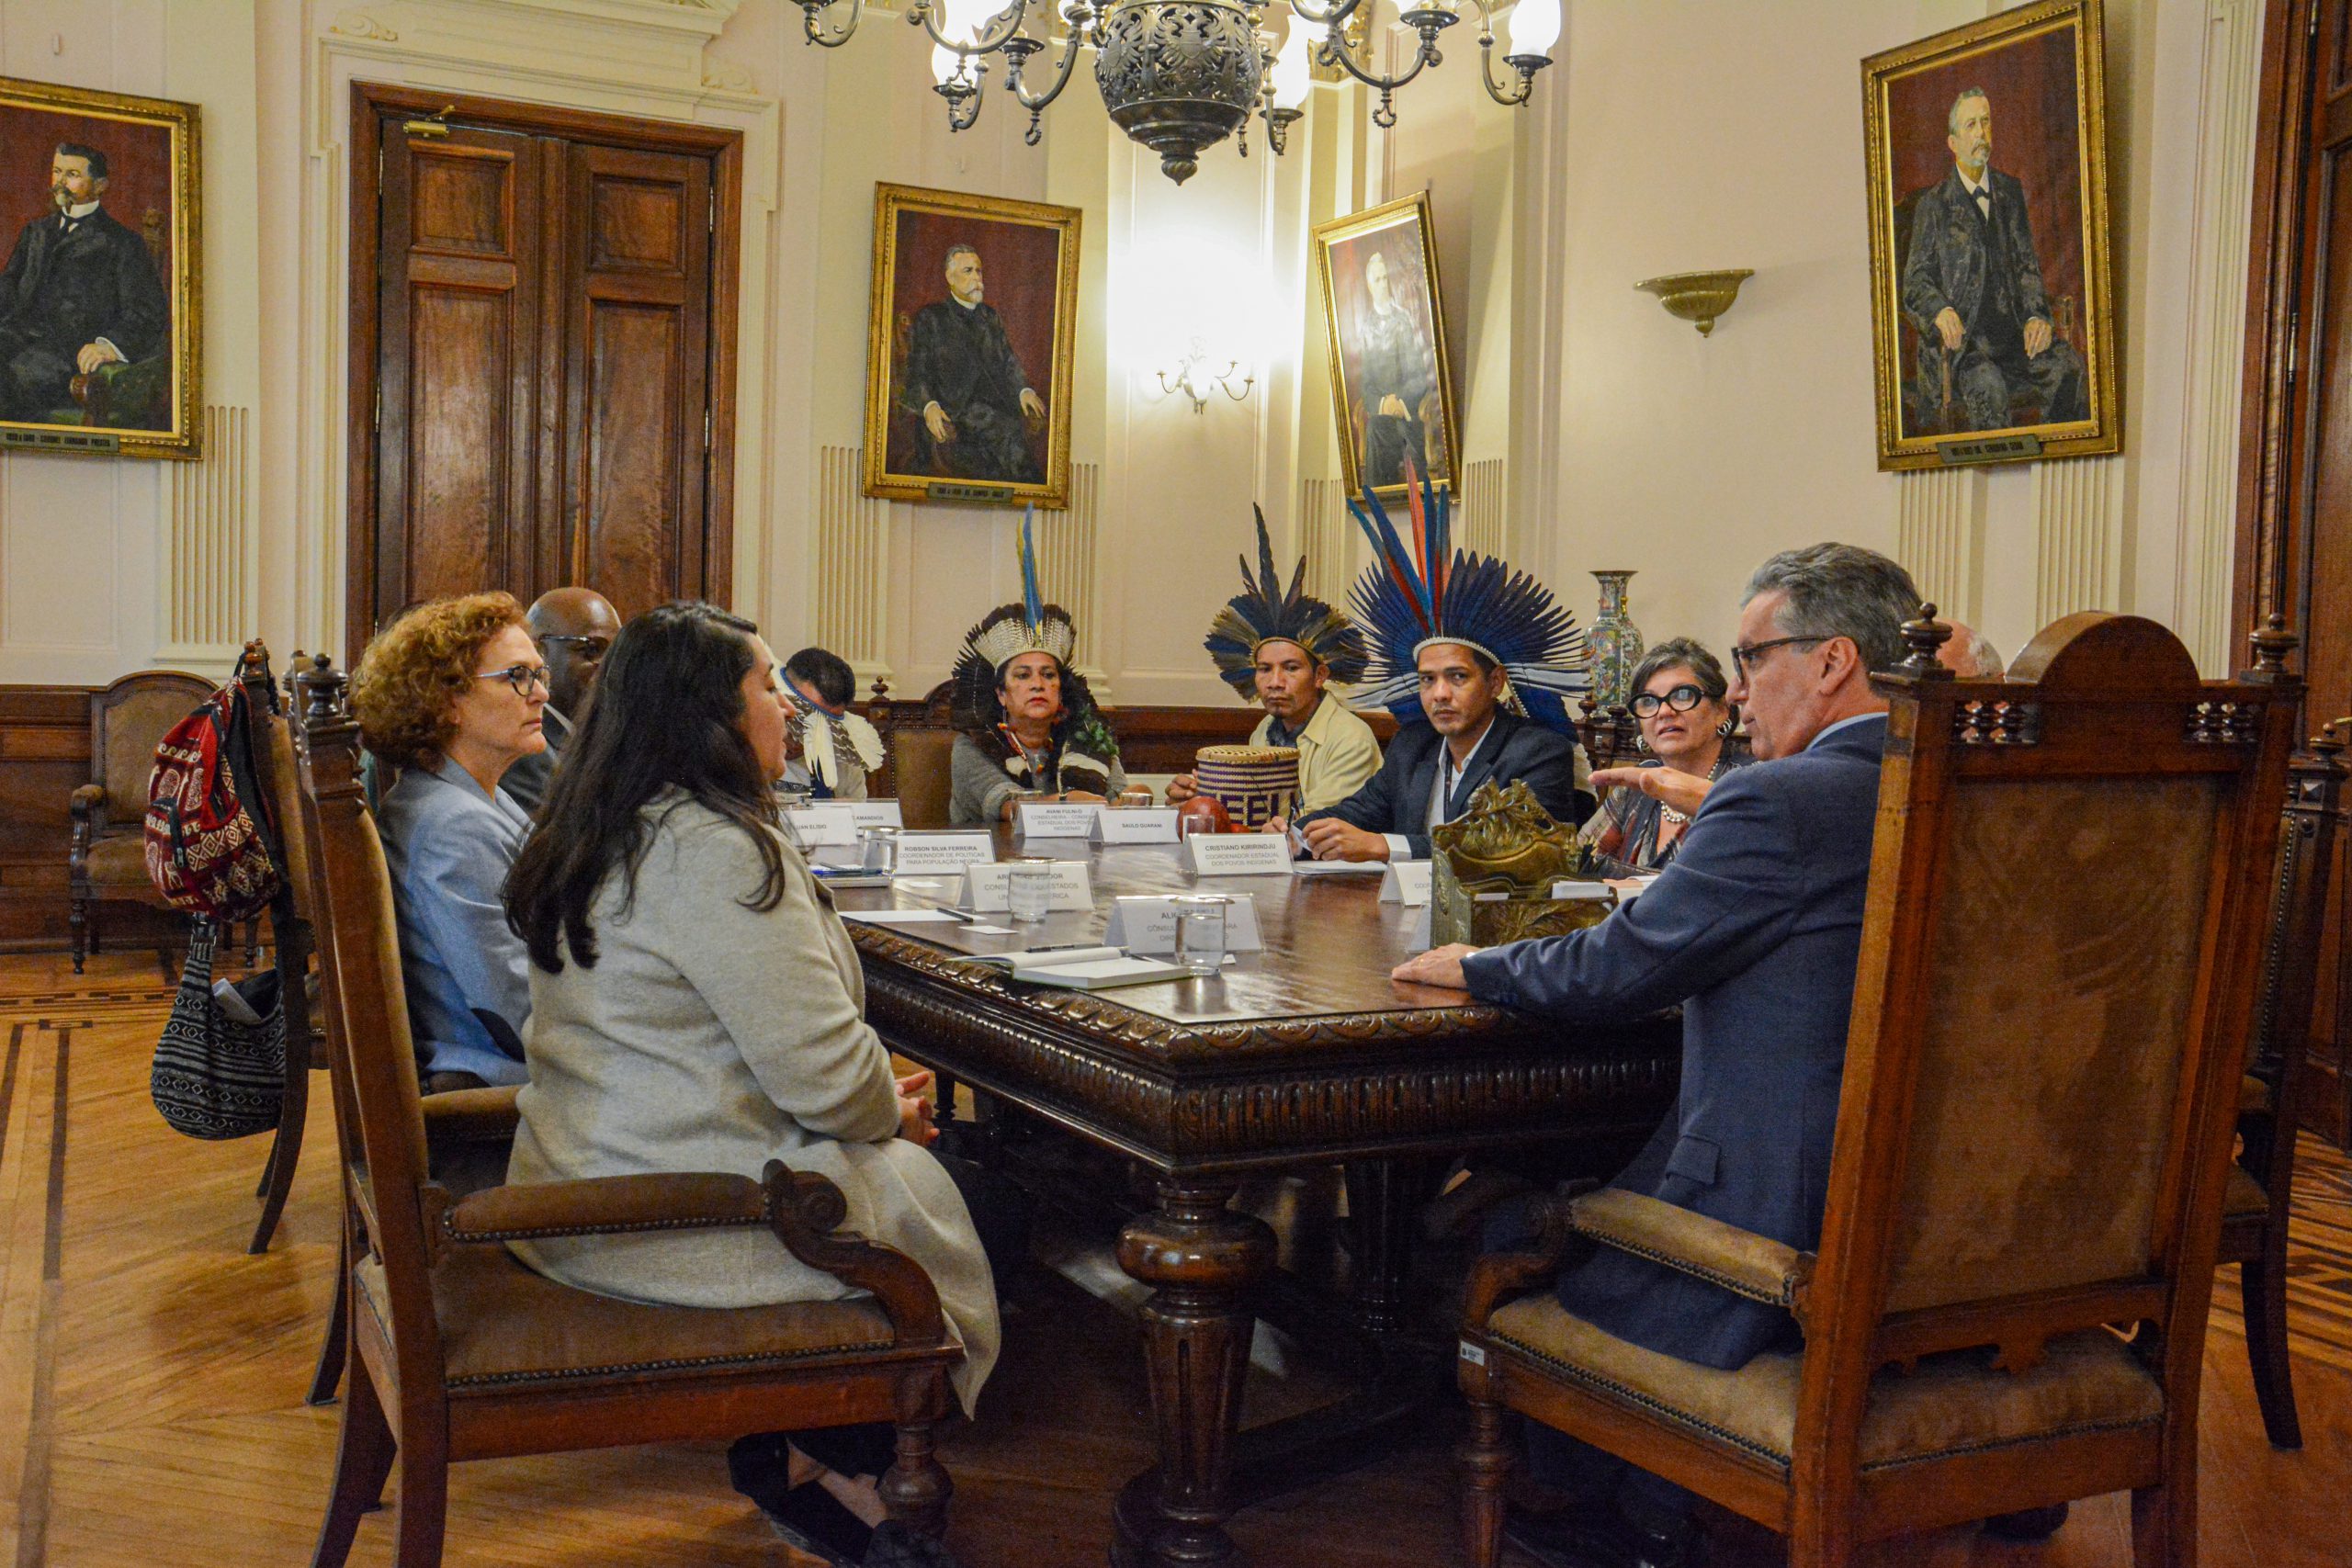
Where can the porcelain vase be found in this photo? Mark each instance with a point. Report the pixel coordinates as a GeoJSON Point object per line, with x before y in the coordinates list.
{"type": "Point", "coordinates": [1615, 641]}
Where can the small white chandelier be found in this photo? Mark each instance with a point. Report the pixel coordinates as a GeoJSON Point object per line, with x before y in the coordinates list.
{"type": "Point", "coordinates": [1180, 75]}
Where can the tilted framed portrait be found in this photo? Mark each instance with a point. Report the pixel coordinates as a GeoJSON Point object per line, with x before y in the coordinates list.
{"type": "Point", "coordinates": [101, 303]}
{"type": "Point", "coordinates": [1991, 301]}
{"type": "Point", "coordinates": [1392, 383]}
{"type": "Point", "coordinates": [967, 372]}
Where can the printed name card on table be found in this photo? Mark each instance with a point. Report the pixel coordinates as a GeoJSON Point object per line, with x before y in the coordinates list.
{"type": "Point", "coordinates": [1600, 890]}
{"type": "Point", "coordinates": [1407, 882]}
{"type": "Point", "coordinates": [826, 822]}
{"type": "Point", "coordinates": [1236, 854]}
{"type": "Point", "coordinates": [919, 853]}
{"type": "Point", "coordinates": [1136, 824]}
{"type": "Point", "coordinates": [1055, 819]}
{"type": "Point", "coordinates": [1145, 923]}
{"type": "Point", "coordinates": [875, 813]}
{"type": "Point", "coordinates": [989, 887]}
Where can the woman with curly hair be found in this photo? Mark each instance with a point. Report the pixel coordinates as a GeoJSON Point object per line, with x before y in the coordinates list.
{"type": "Point", "coordinates": [1029, 728]}
{"type": "Point", "coordinates": [450, 695]}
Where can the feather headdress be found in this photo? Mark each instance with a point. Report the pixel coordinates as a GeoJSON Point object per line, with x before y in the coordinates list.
{"type": "Point", "coordinates": [1262, 613]}
{"type": "Point", "coordinates": [1422, 590]}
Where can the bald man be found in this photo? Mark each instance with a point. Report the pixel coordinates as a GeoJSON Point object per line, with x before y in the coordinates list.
{"type": "Point", "coordinates": [1969, 656]}
{"type": "Point", "coordinates": [574, 628]}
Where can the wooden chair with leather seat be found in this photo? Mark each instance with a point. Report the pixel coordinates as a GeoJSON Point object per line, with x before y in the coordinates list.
{"type": "Point", "coordinates": [107, 861]}
{"type": "Point", "coordinates": [2059, 952]}
{"type": "Point", "coordinates": [457, 1351]}
{"type": "Point", "coordinates": [2254, 1206]}
{"type": "Point", "coordinates": [917, 767]}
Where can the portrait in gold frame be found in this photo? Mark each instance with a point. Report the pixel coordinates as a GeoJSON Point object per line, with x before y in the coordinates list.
{"type": "Point", "coordinates": [125, 263]}
{"type": "Point", "coordinates": [970, 333]}
{"type": "Point", "coordinates": [1392, 381]}
{"type": "Point", "coordinates": [1992, 303]}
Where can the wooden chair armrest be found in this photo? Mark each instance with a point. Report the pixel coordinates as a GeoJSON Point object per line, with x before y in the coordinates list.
{"type": "Point", "coordinates": [1498, 1276]}
{"type": "Point", "coordinates": [469, 1116]}
{"type": "Point", "coordinates": [89, 811]}
{"type": "Point", "coordinates": [805, 1211]}
{"type": "Point", "coordinates": [1674, 1237]}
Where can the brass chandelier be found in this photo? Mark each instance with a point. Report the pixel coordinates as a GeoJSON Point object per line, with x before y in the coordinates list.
{"type": "Point", "coordinates": [1180, 75]}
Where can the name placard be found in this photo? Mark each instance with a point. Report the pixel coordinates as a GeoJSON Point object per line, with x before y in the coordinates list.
{"type": "Point", "coordinates": [875, 813]}
{"type": "Point", "coordinates": [989, 889]}
{"type": "Point", "coordinates": [1600, 890]}
{"type": "Point", "coordinates": [1055, 819]}
{"type": "Point", "coordinates": [1236, 854]}
{"type": "Point", "coordinates": [1136, 824]}
{"type": "Point", "coordinates": [1407, 882]}
{"type": "Point", "coordinates": [1145, 923]}
{"type": "Point", "coordinates": [826, 823]}
{"type": "Point", "coordinates": [922, 852]}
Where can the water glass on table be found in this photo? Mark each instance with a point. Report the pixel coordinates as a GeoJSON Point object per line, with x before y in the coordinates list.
{"type": "Point", "coordinates": [1200, 935]}
{"type": "Point", "coordinates": [1029, 889]}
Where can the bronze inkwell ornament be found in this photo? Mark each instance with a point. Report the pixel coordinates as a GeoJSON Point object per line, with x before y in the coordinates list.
{"type": "Point", "coordinates": [1496, 867]}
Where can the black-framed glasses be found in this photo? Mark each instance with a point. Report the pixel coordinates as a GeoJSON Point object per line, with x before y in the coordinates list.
{"type": "Point", "coordinates": [1681, 699]}
{"type": "Point", "coordinates": [595, 646]}
{"type": "Point", "coordinates": [520, 677]}
{"type": "Point", "coordinates": [1743, 657]}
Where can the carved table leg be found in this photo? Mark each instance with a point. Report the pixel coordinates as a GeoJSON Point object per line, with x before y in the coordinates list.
{"type": "Point", "coordinates": [1200, 1257]}
{"type": "Point", "coordinates": [1384, 1197]}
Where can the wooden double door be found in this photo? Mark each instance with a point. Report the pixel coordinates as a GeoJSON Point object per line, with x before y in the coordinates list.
{"type": "Point", "coordinates": [2294, 544]}
{"type": "Point", "coordinates": [543, 326]}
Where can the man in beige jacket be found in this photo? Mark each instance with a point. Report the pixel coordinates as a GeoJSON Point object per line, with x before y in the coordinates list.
{"type": "Point", "coordinates": [1284, 648]}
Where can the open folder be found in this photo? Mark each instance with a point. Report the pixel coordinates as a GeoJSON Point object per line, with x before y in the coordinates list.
{"type": "Point", "coordinates": [1082, 968]}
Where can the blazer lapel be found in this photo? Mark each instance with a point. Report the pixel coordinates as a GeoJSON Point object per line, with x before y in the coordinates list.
{"type": "Point", "coordinates": [1413, 811]}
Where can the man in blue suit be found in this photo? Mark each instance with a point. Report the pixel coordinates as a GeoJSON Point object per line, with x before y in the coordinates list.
{"type": "Point", "coordinates": [1756, 929]}
{"type": "Point", "coordinates": [1433, 766]}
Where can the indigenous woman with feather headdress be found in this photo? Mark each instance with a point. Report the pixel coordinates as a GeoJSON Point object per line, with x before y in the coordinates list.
{"type": "Point", "coordinates": [1028, 728]}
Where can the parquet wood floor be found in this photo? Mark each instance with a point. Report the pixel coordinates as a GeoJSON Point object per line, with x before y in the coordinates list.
{"type": "Point", "coordinates": [151, 1373]}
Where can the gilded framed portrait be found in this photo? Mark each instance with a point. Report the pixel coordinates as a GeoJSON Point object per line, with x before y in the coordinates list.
{"type": "Point", "coordinates": [1392, 384]}
{"type": "Point", "coordinates": [972, 325]}
{"type": "Point", "coordinates": [101, 302]}
{"type": "Point", "coordinates": [1991, 307]}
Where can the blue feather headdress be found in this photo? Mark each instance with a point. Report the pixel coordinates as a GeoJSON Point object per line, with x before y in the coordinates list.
{"type": "Point", "coordinates": [1030, 627]}
{"type": "Point", "coordinates": [1262, 613]}
{"type": "Point", "coordinates": [1422, 590]}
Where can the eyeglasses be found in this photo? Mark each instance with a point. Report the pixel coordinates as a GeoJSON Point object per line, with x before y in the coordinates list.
{"type": "Point", "coordinates": [521, 677]}
{"type": "Point", "coordinates": [1682, 699]}
{"type": "Point", "coordinates": [1743, 658]}
{"type": "Point", "coordinates": [593, 647]}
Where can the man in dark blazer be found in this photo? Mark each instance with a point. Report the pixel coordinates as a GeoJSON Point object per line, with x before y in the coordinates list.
{"type": "Point", "coordinates": [1756, 929]}
{"type": "Point", "coordinates": [1972, 286]}
{"type": "Point", "coordinates": [80, 291]}
{"type": "Point", "coordinates": [965, 380]}
{"type": "Point", "coordinates": [1432, 768]}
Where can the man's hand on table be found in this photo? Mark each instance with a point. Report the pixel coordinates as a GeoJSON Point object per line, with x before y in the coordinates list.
{"type": "Point", "coordinates": [1438, 967]}
{"type": "Point", "coordinates": [1328, 838]}
{"type": "Point", "coordinates": [1182, 788]}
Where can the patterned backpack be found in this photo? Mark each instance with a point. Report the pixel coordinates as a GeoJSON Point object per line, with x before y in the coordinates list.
{"type": "Point", "coordinates": [205, 853]}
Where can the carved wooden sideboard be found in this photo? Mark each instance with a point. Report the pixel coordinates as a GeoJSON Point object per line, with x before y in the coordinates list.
{"type": "Point", "coordinates": [1306, 1054]}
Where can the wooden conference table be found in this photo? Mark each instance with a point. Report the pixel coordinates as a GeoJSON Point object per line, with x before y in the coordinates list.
{"type": "Point", "coordinates": [1306, 1054]}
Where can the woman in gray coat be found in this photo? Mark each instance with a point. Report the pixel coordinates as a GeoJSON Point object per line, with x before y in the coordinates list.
{"type": "Point", "coordinates": [697, 1005]}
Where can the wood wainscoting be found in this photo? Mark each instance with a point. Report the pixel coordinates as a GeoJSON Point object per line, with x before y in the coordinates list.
{"type": "Point", "coordinates": [44, 756]}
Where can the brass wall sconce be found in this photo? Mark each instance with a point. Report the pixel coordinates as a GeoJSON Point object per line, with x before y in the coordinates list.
{"type": "Point", "coordinates": [1196, 382]}
{"type": "Point", "coordinates": [1697, 297]}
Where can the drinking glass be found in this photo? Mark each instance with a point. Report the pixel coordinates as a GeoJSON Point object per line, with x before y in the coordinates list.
{"type": "Point", "coordinates": [1135, 796]}
{"type": "Point", "coordinates": [1200, 936]}
{"type": "Point", "coordinates": [881, 846]}
{"type": "Point", "coordinates": [1030, 891]}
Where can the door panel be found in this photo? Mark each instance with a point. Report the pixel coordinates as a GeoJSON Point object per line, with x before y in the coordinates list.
{"type": "Point", "coordinates": [639, 373]}
{"type": "Point", "coordinates": [460, 281]}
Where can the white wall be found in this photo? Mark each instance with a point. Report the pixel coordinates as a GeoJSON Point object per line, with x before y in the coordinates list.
{"type": "Point", "coordinates": [1674, 134]}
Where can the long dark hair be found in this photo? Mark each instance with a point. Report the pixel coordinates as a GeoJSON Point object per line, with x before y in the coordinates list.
{"type": "Point", "coordinates": [667, 713]}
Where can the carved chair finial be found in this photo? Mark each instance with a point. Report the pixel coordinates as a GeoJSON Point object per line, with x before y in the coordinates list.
{"type": "Point", "coordinates": [326, 685]}
{"type": "Point", "coordinates": [254, 661]}
{"type": "Point", "coordinates": [1924, 635]}
{"type": "Point", "coordinates": [2330, 740]}
{"type": "Point", "coordinates": [2272, 644]}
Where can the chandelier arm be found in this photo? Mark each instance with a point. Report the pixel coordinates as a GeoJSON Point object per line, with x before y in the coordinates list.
{"type": "Point", "coordinates": [985, 42]}
{"type": "Point", "coordinates": [831, 37]}
{"type": "Point", "coordinates": [1315, 16]}
{"type": "Point", "coordinates": [1035, 102]}
{"type": "Point", "coordinates": [1526, 65]}
{"type": "Point", "coordinates": [1334, 51]}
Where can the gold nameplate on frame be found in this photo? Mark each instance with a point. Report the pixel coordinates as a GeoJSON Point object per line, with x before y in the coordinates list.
{"type": "Point", "coordinates": [1991, 449]}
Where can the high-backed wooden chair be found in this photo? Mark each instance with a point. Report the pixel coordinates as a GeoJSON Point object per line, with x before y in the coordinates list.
{"type": "Point", "coordinates": [457, 1351]}
{"type": "Point", "coordinates": [2066, 908]}
{"type": "Point", "coordinates": [107, 860]}
{"type": "Point", "coordinates": [917, 767]}
{"type": "Point", "coordinates": [2254, 1206]}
